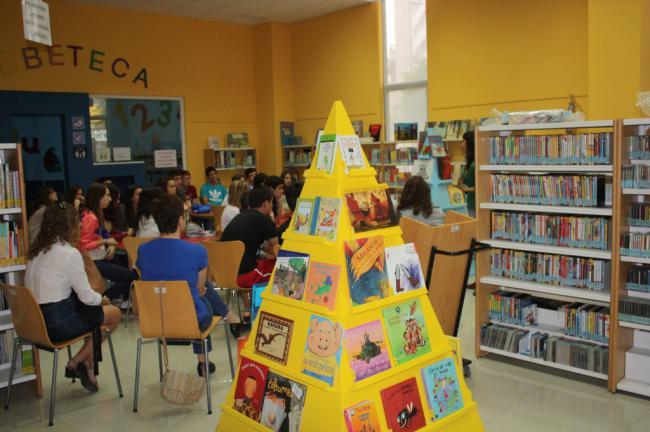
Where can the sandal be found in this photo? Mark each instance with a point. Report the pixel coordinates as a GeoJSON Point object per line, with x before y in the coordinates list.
{"type": "Point", "coordinates": [71, 372]}
{"type": "Point", "coordinates": [199, 368]}
{"type": "Point", "coordinates": [82, 370]}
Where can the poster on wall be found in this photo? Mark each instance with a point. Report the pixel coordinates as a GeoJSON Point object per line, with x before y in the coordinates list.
{"type": "Point", "coordinates": [36, 21]}
{"type": "Point", "coordinates": [80, 153]}
{"type": "Point", "coordinates": [79, 138]}
{"type": "Point", "coordinates": [78, 123]}
{"type": "Point", "coordinates": [121, 154]}
{"type": "Point", "coordinates": [165, 158]}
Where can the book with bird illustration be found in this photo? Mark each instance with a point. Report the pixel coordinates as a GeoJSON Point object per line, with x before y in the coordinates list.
{"type": "Point", "coordinates": [403, 407]}
{"type": "Point", "coordinates": [284, 400]}
{"type": "Point", "coordinates": [366, 269]}
{"type": "Point", "coordinates": [442, 389]}
{"type": "Point", "coordinates": [273, 337]}
{"type": "Point", "coordinates": [407, 331]}
{"type": "Point", "coordinates": [370, 210]}
{"type": "Point", "coordinates": [290, 274]}
{"type": "Point", "coordinates": [403, 268]}
{"type": "Point", "coordinates": [322, 284]}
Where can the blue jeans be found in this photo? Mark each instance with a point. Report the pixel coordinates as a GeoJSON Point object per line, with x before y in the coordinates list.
{"type": "Point", "coordinates": [217, 307]}
{"type": "Point", "coordinates": [120, 276]}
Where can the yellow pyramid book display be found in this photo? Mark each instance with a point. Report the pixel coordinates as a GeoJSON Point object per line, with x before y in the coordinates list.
{"type": "Point", "coordinates": [346, 339]}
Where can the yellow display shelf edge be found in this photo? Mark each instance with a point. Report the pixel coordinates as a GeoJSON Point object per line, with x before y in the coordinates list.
{"type": "Point", "coordinates": [291, 302]}
{"type": "Point", "coordinates": [387, 301]}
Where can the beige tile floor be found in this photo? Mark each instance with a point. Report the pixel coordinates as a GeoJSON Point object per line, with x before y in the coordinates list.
{"type": "Point", "coordinates": [511, 396]}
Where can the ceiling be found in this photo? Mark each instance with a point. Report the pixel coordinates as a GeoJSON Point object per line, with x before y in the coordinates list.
{"type": "Point", "coordinates": [235, 11]}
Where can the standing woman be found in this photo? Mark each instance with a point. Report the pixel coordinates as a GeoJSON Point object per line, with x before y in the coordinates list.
{"type": "Point", "coordinates": [467, 178]}
{"type": "Point", "coordinates": [56, 275]}
{"type": "Point", "coordinates": [100, 246]}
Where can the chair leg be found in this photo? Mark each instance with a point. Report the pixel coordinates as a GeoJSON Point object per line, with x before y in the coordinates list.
{"type": "Point", "coordinates": [70, 358]}
{"type": "Point", "coordinates": [238, 306]}
{"type": "Point", "coordinates": [117, 374]}
{"type": "Point", "coordinates": [14, 357]}
{"type": "Point", "coordinates": [160, 366]}
{"type": "Point", "coordinates": [206, 373]}
{"type": "Point", "coordinates": [232, 367]}
{"type": "Point", "coordinates": [137, 375]}
{"type": "Point", "coordinates": [129, 308]}
{"type": "Point", "coordinates": [53, 389]}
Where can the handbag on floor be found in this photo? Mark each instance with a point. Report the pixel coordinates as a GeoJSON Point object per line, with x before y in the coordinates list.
{"type": "Point", "coordinates": [179, 388]}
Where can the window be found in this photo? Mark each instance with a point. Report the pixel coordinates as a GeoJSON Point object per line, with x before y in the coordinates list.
{"type": "Point", "coordinates": [405, 63]}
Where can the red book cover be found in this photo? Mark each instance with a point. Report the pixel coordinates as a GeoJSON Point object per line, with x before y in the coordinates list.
{"type": "Point", "coordinates": [403, 407]}
{"type": "Point", "coordinates": [249, 392]}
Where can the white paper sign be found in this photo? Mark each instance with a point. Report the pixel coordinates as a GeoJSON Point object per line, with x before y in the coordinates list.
{"type": "Point", "coordinates": [121, 154]}
{"type": "Point", "coordinates": [164, 158]}
{"type": "Point", "coordinates": [102, 154]}
{"type": "Point", "coordinates": [36, 21]}
{"type": "Point", "coordinates": [351, 151]}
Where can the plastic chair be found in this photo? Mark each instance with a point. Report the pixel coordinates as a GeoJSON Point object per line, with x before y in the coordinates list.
{"type": "Point", "coordinates": [30, 329]}
{"type": "Point", "coordinates": [181, 324]}
{"type": "Point", "coordinates": [217, 211]}
{"type": "Point", "coordinates": [224, 259]}
{"type": "Point", "coordinates": [131, 245]}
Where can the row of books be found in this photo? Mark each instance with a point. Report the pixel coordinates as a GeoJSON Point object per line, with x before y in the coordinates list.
{"type": "Point", "coordinates": [375, 156]}
{"type": "Point", "coordinates": [638, 147]}
{"type": "Point", "coordinates": [453, 129]}
{"type": "Point", "coordinates": [586, 321]}
{"type": "Point", "coordinates": [26, 366]}
{"type": "Point", "coordinates": [639, 214]}
{"type": "Point", "coordinates": [635, 244]}
{"type": "Point", "coordinates": [578, 354]}
{"type": "Point", "coordinates": [229, 160]}
{"type": "Point", "coordinates": [557, 230]}
{"type": "Point", "coordinates": [12, 247]}
{"type": "Point", "coordinates": [569, 271]}
{"type": "Point", "coordinates": [636, 176]}
{"type": "Point", "coordinates": [394, 177]}
{"type": "Point", "coordinates": [401, 156]}
{"type": "Point", "coordinates": [10, 196]}
{"type": "Point", "coordinates": [298, 157]}
{"type": "Point", "coordinates": [565, 190]}
{"type": "Point", "coordinates": [638, 279]}
{"type": "Point", "coordinates": [584, 148]}
{"type": "Point", "coordinates": [633, 309]}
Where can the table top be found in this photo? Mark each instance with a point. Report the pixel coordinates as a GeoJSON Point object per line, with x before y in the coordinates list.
{"type": "Point", "coordinates": [202, 215]}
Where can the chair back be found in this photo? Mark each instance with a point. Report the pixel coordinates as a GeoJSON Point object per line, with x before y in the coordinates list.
{"type": "Point", "coordinates": [217, 211]}
{"type": "Point", "coordinates": [26, 315]}
{"type": "Point", "coordinates": [224, 259]}
{"type": "Point", "coordinates": [177, 307]}
{"type": "Point", "coordinates": [131, 245]}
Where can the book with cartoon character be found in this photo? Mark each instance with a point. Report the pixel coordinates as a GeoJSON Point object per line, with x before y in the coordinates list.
{"type": "Point", "coordinates": [290, 274]}
{"type": "Point", "coordinates": [327, 218]}
{"type": "Point", "coordinates": [284, 400]}
{"type": "Point", "coordinates": [403, 268]}
{"type": "Point", "coordinates": [322, 284]}
{"type": "Point", "coordinates": [403, 407]}
{"type": "Point", "coordinates": [322, 355]}
{"type": "Point", "coordinates": [249, 393]}
{"type": "Point", "coordinates": [370, 210]}
{"type": "Point", "coordinates": [407, 331]}
{"type": "Point", "coordinates": [326, 145]}
{"type": "Point", "coordinates": [304, 216]}
{"type": "Point", "coordinates": [367, 352]}
{"type": "Point", "coordinates": [366, 269]}
{"type": "Point", "coordinates": [442, 389]}
{"type": "Point", "coordinates": [362, 417]}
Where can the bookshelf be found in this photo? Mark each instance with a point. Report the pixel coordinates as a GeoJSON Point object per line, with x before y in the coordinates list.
{"type": "Point", "coordinates": [297, 157]}
{"type": "Point", "coordinates": [632, 350]}
{"type": "Point", "coordinates": [231, 158]}
{"type": "Point", "coordinates": [560, 179]}
{"type": "Point", "coordinates": [13, 242]}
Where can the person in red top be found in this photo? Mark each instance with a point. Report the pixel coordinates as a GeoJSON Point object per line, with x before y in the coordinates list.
{"type": "Point", "coordinates": [96, 241]}
{"type": "Point", "coordinates": [190, 190]}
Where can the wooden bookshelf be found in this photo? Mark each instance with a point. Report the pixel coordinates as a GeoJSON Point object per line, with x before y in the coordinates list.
{"type": "Point", "coordinates": [11, 155]}
{"type": "Point", "coordinates": [298, 157]}
{"type": "Point", "coordinates": [629, 336]}
{"type": "Point", "coordinates": [488, 283]}
{"type": "Point", "coordinates": [231, 158]}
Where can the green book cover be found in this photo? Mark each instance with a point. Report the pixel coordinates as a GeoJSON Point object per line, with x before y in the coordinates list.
{"type": "Point", "coordinates": [28, 362]}
{"type": "Point", "coordinates": [407, 331]}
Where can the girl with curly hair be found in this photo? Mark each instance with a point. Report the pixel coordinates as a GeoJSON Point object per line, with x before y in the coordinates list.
{"type": "Point", "coordinates": [415, 203]}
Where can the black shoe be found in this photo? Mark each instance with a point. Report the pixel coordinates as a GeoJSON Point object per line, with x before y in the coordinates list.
{"type": "Point", "coordinates": [82, 370]}
{"type": "Point", "coordinates": [236, 330]}
{"type": "Point", "coordinates": [199, 368]}
{"type": "Point", "coordinates": [71, 373]}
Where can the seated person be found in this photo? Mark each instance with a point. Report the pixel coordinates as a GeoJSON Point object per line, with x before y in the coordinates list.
{"type": "Point", "coordinates": [74, 196]}
{"type": "Point", "coordinates": [213, 192]}
{"type": "Point", "coordinates": [276, 185]}
{"type": "Point", "coordinates": [44, 198]}
{"type": "Point", "coordinates": [234, 207]}
{"type": "Point", "coordinates": [257, 231]}
{"type": "Point", "coordinates": [115, 214]}
{"type": "Point", "coordinates": [415, 203]}
{"type": "Point", "coordinates": [249, 176]}
{"type": "Point", "coordinates": [171, 259]}
{"type": "Point", "coordinates": [55, 274]}
{"type": "Point", "coordinates": [189, 188]}
{"type": "Point", "coordinates": [147, 227]}
{"type": "Point", "coordinates": [292, 194]}
{"type": "Point", "coordinates": [101, 247]}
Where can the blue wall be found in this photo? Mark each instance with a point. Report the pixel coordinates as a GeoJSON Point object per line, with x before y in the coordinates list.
{"type": "Point", "coordinates": [68, 105]}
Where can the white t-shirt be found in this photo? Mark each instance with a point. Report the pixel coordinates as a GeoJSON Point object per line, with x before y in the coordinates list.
{"type": "Point", "coordinates": [147, 227]}
{"type": "Point", "coordinates": [52, 276]}
{"type": "Point", "coordinates": [228, 214]}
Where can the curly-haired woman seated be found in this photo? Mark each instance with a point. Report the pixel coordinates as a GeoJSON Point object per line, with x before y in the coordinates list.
{"type": "Point", "coordinates": [55, 274]}
{"type": "Point", "coordinates": [415, 203]}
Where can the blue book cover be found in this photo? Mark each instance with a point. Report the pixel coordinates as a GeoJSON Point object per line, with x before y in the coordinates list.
{"type": "Point", "coordinates": [442, 389]}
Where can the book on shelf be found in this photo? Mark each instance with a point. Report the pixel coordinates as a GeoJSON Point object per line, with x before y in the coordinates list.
{"type": "Point", "coordinates": [357, 125]}
{"type": "Point", "coordinates": [237, 139]}
{"type": "Point", "coordinates": [370, 210]}
{"type": "Point", "coordinates": [559, 190]}
{"type": "Point", "coordinates": [456, 128]}
{"type": "Point", "coordinates": [362, 417]}
{"type": "Point", "coordinates": [10, 195]}
{"type": "Point", "coordinates": [366, 269]}
{"type": "Point", "coordinates": [567, 149]}
{"type": "Point", "coordinates": [403, 406]}
{"type": "Point", "coordinates": [290, 274]}
{"type": "Point", "coordinates": [636, 176]}
{"type": "Point", "coordinates": [298, 157]}
{"type": "Point", "coordinates": [284, 400]}
{"type": "Point", "coordinates": [635, 244]}
{"type": "Point", "coordinates": [639, 215]}
{"type": "Point", "coordinates": [441, 387]}
{"type": "Point", "coordinates": [634, 310]}
{"type": "Point", "coordinates": [12, 247]}
{"type": "Point", "coordinates": [558, 270]}
{"type": "Point", "coordinates": [406, 131]}
{"type": "Point", "coordinates": [553, 349]}
{"type": "Point", "coordinates": [556, 230]}
{"type": "Point", "coordinates": [375, 132]}
{"type": "Point", "coordinates": [638, 147]}
{"type": "Point", "coordinates": [367, 351]}
{"type": "Point", "coordinates": [249, 391]}
{"type": "Point", "coordinates": [395, 177]}
{"type": "Point", "coordinates": [286, 133]}
{"type": "Point", "coordinates": [638, 279]}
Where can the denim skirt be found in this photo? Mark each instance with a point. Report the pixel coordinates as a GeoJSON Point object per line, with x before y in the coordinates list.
{"type": "Point", "coordinates": [70, 318]}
